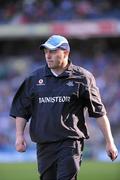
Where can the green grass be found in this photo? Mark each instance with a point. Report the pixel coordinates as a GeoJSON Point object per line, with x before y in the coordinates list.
{"type": "Point", "coordinates": [99, 171]}
{"type": "Point", "coordinates": [89, 171]}
{"type": "Point", "coordinates": [18, 171]}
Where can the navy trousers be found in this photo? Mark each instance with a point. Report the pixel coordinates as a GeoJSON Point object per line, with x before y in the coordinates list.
{"type": "Point", "coordinates": [60, 160]}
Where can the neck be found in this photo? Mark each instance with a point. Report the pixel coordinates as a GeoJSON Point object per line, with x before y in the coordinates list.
{"type": "Point", "coordinates": [60, 70]}
{"type": "Point", "coordinates": [57, 71]}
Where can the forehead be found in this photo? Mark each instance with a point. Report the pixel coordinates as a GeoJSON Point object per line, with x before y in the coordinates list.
{"type": "Point", "coordinates": [58, 50]}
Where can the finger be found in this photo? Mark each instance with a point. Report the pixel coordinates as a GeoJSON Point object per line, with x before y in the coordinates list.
{"type": "Point", "coordinates": [112, 156]}
{"type": "Point", "coordinates": [20, 147]}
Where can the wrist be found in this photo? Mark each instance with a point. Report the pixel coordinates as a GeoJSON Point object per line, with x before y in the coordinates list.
{"type": "Point", "coordinates": [109, 142]}
{"type": "Point", "coordinates": [19, 134]}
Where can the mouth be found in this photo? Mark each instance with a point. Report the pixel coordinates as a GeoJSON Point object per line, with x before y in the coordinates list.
{"type": "Point", "coordinates": [49, 61]}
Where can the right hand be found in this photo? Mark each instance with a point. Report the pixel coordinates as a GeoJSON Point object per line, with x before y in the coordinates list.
{"type": "Point", "coordinates": [20, 144]}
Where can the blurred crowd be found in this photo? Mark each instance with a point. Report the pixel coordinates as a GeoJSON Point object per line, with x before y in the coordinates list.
{"type": "Point", "coordinates": [104, 65]}
{"type": "Point", "coordinates": [35, 11]}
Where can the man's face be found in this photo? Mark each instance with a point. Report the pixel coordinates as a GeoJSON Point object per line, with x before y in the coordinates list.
{"type": "Point", "coordinates": [55, 58]}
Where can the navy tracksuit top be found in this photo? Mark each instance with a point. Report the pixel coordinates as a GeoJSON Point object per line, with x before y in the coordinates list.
{"type": "Point", "coordinates": [56, 105]}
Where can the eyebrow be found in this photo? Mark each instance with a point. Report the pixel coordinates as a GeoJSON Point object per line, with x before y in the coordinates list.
{"type": "Point", "coordinates": [50, 49]}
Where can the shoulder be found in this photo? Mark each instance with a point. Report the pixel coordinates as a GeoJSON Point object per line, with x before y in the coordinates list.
{"type": "Point", "coordinates": [82, 72]}
{"type": "Point", "coordinates": [37, 73]}
{"type": "Point", "coordinates": [86, 77]}
{"type": "Point", "coordinates": [34, 76]}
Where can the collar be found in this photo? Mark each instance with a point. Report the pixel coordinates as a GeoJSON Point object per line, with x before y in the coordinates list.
{"type": "Point", "coordinates": [67, 73]}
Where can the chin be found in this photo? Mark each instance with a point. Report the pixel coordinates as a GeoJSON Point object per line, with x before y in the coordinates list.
{"type": "Point", "coordinates": [51, 67]}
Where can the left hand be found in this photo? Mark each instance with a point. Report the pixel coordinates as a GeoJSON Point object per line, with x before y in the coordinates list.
{"type": "Point", "coordinates": [112, 151]}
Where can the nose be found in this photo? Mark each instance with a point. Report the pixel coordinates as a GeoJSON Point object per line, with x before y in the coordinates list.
{"type": "Point", "coordinates": [48, 54]}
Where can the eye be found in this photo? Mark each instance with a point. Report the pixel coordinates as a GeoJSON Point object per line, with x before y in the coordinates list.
{"type": "Point", "coordinates": [50, 51]}
{"type": "Point", "coordinates": [53, 51]}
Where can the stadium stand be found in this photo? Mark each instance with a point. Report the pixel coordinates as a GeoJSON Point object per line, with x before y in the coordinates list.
{"type": "Point", "coordinates": [34, 11]}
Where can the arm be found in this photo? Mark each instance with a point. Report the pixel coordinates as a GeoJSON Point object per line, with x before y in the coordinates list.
{"type": "Point", "coordinates": [104, 125]}
{"type": "Point", "coordinates": [20, 140]}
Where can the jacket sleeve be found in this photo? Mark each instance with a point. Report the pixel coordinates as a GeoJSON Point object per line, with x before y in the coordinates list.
{"type": "Point", "coordinates": [92, 98]}
{"type": "Point", "coordinates": [21, 104]}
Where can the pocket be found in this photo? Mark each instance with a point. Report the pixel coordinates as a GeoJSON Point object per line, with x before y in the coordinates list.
{"type": "Point", "coordinates": [76, 149]}
{"type": "Point", "coordinates": [72, 147]}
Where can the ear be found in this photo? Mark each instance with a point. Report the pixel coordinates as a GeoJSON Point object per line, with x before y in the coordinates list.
{"type": "Point", "coordinates": [66, 53]}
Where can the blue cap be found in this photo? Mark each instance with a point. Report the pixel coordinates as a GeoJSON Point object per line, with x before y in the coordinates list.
{"type": "Point", "coordinates": [56, 41]}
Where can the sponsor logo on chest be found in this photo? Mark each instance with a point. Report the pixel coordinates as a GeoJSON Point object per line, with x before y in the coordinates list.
{"type": "Point", "coordinates": [55, 99]}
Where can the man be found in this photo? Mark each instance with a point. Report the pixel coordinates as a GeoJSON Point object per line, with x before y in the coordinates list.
{"type": "Point", "coordinates": [56, 97]}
